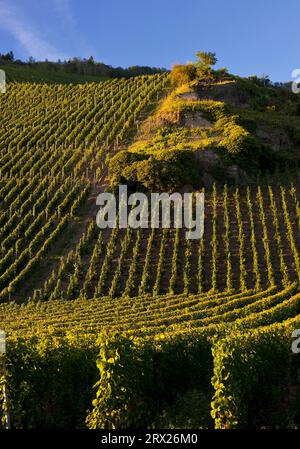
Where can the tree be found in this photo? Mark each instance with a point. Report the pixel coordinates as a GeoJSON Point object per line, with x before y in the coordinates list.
{"type": "Point", "coordinates": [8, 56]}
{"type": "Point", "coordinates": [265, 80]}
{"type": "Point", "coordinates": [205, 60]}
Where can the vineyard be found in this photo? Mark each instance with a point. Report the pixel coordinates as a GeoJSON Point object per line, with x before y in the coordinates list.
{"type": "Point", "coordinates": [54, 141]}
{"type": "Point", "coordinates": [254, 231]}
{"type": "Point", "coordinates": [206, 321]}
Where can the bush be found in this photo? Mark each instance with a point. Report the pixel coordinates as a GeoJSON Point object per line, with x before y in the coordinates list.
{"type": "Point", "coordinates": [183, 74]}
{"type": "Point", "coordinates": [118, 164]}
{"type": "Point", "coordinates": [163, 171]}
{"type": "Point", "coordinates": [222, 73]}
{"type": "Point", "coordinates": [176, 169]}
{"type": "Point", "coordinates": [145, 173]}
{"type": "Point", "coordinates": [237, 139]}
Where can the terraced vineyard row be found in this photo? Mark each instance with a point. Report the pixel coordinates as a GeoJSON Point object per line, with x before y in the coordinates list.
{"type": "Point", "coordinates": [169, 278]}
{"type": "Point", "coordinates": [208, 312]}
{"type": "Point", "coordinates": [251, 241]}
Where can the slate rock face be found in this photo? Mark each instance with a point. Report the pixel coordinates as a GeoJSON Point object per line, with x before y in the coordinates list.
{"type": "Point", "coordinates": [236, 174]}
{"type": "Point", "coordinates": [196, 120]}
{"type": "Point", "coordinates": [189, 96]}
{"type": "Point", "coordinates": [228, 92]}
{"type": "Point", "coordinates": [275, 138]}
{"type": "Point", "coordinates": [208, 180]}
{"type": "Point", "coordinates": [207, 158]}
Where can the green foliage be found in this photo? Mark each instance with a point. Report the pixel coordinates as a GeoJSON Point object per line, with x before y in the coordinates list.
{"type": "Point", "coordinates": [140, 377]}
{"type": "Point", "coordinates": [204, 65]}
{"type": "Point", "coordinates": [211, 109]}
{"type": "Point", "coordinates": [177, 138]}
{"type": "Point", "coordinates": [206, 59]}
{"type": "Point", "coordinates": [186, 73]}
{"type": "Point", "coordinates": [222, 73]}
{"type": "Point", "coordinates": [183, 74]}
{"type": "Point", "coordinates": [166, 170]}
{"type": "Point", "coordinates": [189, 410]}
{"type": "Point", "coordinates": [119, 163]}
{"type": "Point", "coordinates": [263, 96]}
{"type": "Point", "coordinates": [251, 378]}
{"type": "Point", "coordinates": [75, 70]}
{"type": "Point", "coordinates": [149, 379]}
{"type": "Point", "coordinates": [236, 139]}
{"type": "Point", "coordinates": [49, 381]}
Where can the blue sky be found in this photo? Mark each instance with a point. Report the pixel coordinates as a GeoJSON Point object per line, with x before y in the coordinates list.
{"type": "Point", "coordinates": [249, 37]}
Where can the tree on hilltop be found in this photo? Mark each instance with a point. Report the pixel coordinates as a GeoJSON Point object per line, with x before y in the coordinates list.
{"type": "Point", "coordinates": [200, 70]}
{"type": "Point", "coordinates": [7, 57]}
{"type": "Point", "coordinates": [205, 60]}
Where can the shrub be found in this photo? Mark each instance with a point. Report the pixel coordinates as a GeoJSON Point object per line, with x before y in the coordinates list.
{"type": "Point", "coordinates": [237, 139]}
{"type": "Point", "coordinates": [163, 171]}
{"type": "Point", "coordinates": [183, 74]}
{"type": "Point", "coordinates": [177, 168]}
{"type": "Point", "coordinates": [146, 173]}
{"type": "Point", "coordinates": [118, 164]}
{"type": "Point", "coordinates": [222, 73]}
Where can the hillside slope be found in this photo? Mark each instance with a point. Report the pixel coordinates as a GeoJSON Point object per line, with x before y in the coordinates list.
{"type": "Point", "coordinates": [232, 129]}
{"type": "Point", "coordinates": [185, 333]}
{"type": "Point", "coordinates": [25, 74]}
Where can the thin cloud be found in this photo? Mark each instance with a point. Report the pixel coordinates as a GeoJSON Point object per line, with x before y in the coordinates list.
{"type": "Point", "coordinates": [28, 37]}
{"type": "Point", "coordinates": [64, 11]}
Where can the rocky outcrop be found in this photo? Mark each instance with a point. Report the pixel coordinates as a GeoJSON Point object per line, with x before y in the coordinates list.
{"type": "Point", "coordinates": [227, 92]}
{"type": "Point", "coordinates": [235, 173]}
{"type": "Point", "coordinates": [209, 161]}
{"type": "Point", "coordinates": [207, 158]}
{"type": "Point", "coordinates": [196, 120]}
{"type": "Point", "coordinates": [275, 138]}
